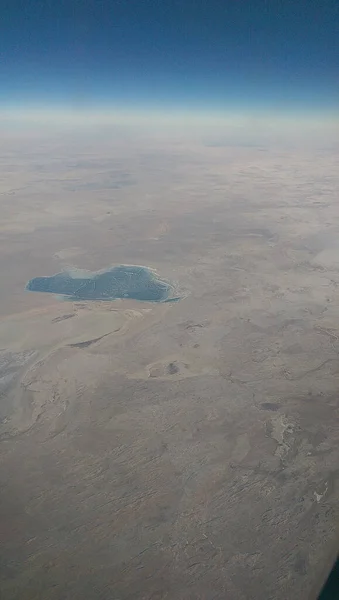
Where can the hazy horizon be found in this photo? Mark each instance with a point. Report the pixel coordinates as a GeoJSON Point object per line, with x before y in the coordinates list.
{"type": "Point", "coordinates": [224, 128]}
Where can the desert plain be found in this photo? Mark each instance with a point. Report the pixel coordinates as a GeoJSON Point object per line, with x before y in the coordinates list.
{"type": "Point", "coordinates": [184, 450]}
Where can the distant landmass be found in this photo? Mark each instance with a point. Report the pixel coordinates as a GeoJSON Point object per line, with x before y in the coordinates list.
{"type": "Point", "coordinates": [123, 281]}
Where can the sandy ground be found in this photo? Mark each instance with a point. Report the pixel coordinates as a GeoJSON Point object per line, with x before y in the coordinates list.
{"type": "Point", "coordinates": [169, 451]}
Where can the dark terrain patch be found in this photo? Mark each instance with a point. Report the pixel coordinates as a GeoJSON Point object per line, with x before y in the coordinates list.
{"type": "Point", "coordinates": [172, 368]}
{"type": "Point", "coordinates": [87, 342]}
{"type": "Point", "coordinates": [270, 406]}
{"type": "Point", "coordinates": [63, 318]}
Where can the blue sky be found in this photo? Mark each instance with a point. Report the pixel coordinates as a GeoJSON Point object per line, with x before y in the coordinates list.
{"type": "Point", "coordinates": [171, 53]}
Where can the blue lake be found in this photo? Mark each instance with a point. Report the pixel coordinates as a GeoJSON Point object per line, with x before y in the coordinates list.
{"type": "Point", "coordinates": [124, 281]}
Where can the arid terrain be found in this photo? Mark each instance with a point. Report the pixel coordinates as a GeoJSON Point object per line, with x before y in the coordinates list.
{"type": "Point", "coordinates": [177, 451]}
